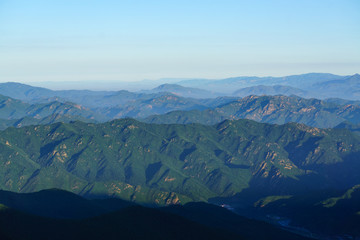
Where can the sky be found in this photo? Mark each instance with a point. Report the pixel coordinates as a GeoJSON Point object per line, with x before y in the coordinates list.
{"type": "Point", "coordinates": [132, 40]}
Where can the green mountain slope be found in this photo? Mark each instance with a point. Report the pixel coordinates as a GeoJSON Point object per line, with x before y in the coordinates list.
{"type": "Point", "coordinates": [166, 164]}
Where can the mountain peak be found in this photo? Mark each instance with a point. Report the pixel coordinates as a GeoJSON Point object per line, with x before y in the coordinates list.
{"type": "Point", "coordinates": [355, 76]}
{"type": "Point", "coordinates": [170, 86]}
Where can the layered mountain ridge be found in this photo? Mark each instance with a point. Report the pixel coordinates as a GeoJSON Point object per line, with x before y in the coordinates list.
{"type": "Point", "coordinates": [287, 160]}
{"type": "Point", "coordinates": [268, 109]}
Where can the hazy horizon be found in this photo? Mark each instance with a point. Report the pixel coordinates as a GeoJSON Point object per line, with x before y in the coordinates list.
{"type": "Point", "coordinates": [145, 84]}
{"type": "Point", "coordinates": [131, 41]}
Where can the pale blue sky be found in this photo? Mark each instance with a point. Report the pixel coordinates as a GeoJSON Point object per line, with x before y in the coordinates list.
{"type": "Point", "coordinates": [132, 40]}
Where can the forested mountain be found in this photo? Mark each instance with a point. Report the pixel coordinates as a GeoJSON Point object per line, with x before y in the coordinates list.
{"type": "Point", "coordinates": [177, 163]}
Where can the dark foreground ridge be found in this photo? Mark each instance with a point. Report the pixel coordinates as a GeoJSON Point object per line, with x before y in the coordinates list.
{"type": "Point", "coordinates": [114, 219]}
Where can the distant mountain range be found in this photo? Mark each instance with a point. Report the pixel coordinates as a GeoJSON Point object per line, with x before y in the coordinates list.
{"type": "Point", "coordinates": [184, 91]}
{"type": "Point", "coordinates": [89, 99]}
{"type": "Point", "coordinates": [156, 105]}
{"type": "Point", "coordinates": [270, 90]}
{"type": "Point", "coordinates": [347, 87]}
{"type": "Point", "coordinates": [14, 109]}
{"type": "Point", "coordinates": [318, 85]}
{"type": "Point", "coordinates": [230, 84]}
{"type": "Point", "coordinates": [169, 108]}
{"type": "Point", "coordinates": [14, 112]}
{"type": "Point", "coordinates": [268, 109]}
